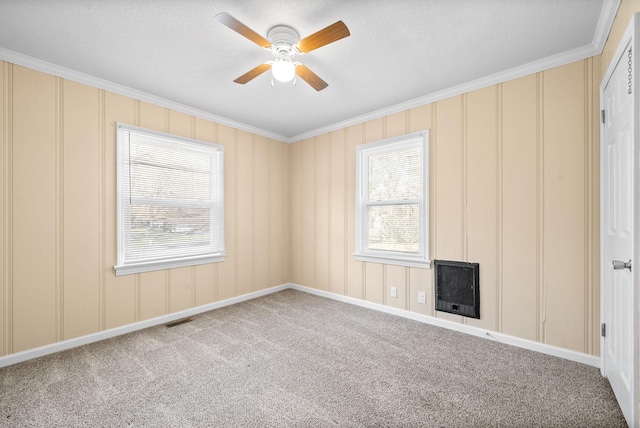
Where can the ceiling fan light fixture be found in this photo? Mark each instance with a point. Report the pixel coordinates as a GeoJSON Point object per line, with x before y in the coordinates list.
{"type": "Point", "coordinates": [283, 70]}
{"type": "Point", "coordinates": [284, 43]}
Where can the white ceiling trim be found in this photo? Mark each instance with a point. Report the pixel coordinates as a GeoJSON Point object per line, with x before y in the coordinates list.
{"type": "Point", "coordinates": [605, 22]}
{"type": "Point", "coordinates": [494, 79]}
{"type": "Point", "coordinates": [607, 16]}
{"type": "Point", "coordinates": [66, 73]}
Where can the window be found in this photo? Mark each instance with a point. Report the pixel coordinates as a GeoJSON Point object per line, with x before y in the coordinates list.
{"type": "Point", "coordinates": [392, 211]}
{"type": "Point", "coordinates": [170, 201]}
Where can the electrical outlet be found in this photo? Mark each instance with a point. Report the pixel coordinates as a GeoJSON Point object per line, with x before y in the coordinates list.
{"type": "Point", "coordinates": [422, 297]}
{"type": "Point", "coordinates": [394, 291]}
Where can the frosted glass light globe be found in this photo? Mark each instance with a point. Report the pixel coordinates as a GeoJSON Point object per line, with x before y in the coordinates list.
{"type": "Point", "coordinates": [283, 70]}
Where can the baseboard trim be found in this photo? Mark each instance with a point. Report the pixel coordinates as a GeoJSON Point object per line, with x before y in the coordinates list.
{"type": "Point", "coordinates": [41, 351]}
{"type": "Point", "coordinates": [165, 319]}
{"type": "Point", "coordinates": [555, 351]}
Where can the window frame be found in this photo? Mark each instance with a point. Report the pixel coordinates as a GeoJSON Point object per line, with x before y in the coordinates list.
{"type": "Point", "coordinates": [362, 251]}
{"type": "Point", "coordinates": [124, 267]}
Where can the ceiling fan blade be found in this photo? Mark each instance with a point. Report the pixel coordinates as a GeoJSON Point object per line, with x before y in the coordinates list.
{"type": "Point", "coordinates": [310, 77]}
{"type": "Point", "coordinates": [330, 34]}
{"type": "Point", "coordinates": [225, 19]}
{"type": "Point", "coordinates": [252, 74]}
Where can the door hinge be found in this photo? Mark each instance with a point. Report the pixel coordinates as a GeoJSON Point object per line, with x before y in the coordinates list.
{"type": "Point", "coordinates": [603, 330]}
{"type": "Point", "coordinates": [602, 116]}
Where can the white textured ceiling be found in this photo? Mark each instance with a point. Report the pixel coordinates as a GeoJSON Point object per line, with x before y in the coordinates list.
{"type": "Point", "coordinates": [399, 51]}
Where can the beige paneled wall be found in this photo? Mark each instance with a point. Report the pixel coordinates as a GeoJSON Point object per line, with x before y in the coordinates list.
{"type": "Point", "coordinates": [513, 186]}
{"type": "Point", "coordinates": [58, 213]}
{"type": "Point", "coordinates": [513, 181]}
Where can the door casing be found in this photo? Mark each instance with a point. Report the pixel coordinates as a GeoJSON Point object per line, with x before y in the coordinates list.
{"type": "Point", "coordinates": [631, 38]}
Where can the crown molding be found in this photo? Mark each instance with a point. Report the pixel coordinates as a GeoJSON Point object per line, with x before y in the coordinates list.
{"type": "Point", "coordinates": [607, 16]}
{"type": "Point", "coordinates": [605, 22]}
{"type": "Point", "coordinates": [76, 76]}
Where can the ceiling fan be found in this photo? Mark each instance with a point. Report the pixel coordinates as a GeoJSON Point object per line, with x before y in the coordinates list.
{"type": "Point", "coordinates": [284, 43]}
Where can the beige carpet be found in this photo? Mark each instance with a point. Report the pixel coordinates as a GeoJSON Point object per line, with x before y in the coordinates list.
{"type": "Point", "coordinates": [294, 359]}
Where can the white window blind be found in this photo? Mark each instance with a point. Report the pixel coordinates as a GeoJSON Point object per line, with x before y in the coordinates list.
{"type": "Point", "coordinates": [392, 201]}
{"type": "Point", "coordinates": [170, 201]}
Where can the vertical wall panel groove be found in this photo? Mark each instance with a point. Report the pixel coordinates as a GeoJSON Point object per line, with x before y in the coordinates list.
{"type": "Point", "coordinates": [385, 285]}
{"type": "Point", "coordinates": [499, 208]}
{"type": "Point", "coordinates": [6, 323]}
{"type": "Point", "coordinates": [167, 272]}
{"type": "Point", "coordinates": [346, 212]}
{"type": "Point", "coordinates": [102, 263]}
{"type": "Point", "coordinates": [540, 208]}
{"type": "Point", "coordinates": [464, 245]}
{"type": "Point", "coordinates": [59, 208]}
{"type": "Point", "coordinates": [3, 206]}
{"type": "Point", "coordinates": [433, 169]}
{"type": "Point", "coordinates": [594, 236]}
{"type": "Point", "coordinates": [261, 200]}
{"type": "Point", "coordinates": [269, 203]}
{"type": "Point", "coordinates": [136, 106]}
{"type": "Point", "coordinates": [192, 271]}
{"type": "Point", "coordinates": [235, 225]}
{"type": "Point", "coordinates": [463, 180]}
{"type": "Point", "coordinates": [254, 216]}
{"type": "Point", "coordinates": [433, 183]}
{"type": "Point", "coordinates": [295, 190]}
{"type": "Point", "coordinates": [407, 273]}
{"type": "Point", "coordinates": [587, 200]}
{"type": "Point", "coordinates": [167, 290]}
{"type": "Point", "coordinates": [137, 286]}
{"type": "Point", "coordinates": [216, 283]}
{"type": "Point", "coordinates": [329, 205]}
{"type": "Point", "coordinates": [308, 212]}
{"type": "Point", "coordinates": [137, 310]}
{"type": "Point", "coordinates": [246, 211]}
{"type": "Point", "coordinates": [286, 221]}
{"type": "Point", "coordinates": [336, 213]}
{"type": "Point", "coordinates": [363, 265]}
{"type": "Point", "coordinates": [314, 211]}
{"type": "Point", "coordinates": [589, 108]}
{"type": "Point", "coordinates": [322, 212]}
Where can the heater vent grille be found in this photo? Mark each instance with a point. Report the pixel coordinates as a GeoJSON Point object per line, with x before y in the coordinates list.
{"type": "Point", "coordinates": [457, 287]}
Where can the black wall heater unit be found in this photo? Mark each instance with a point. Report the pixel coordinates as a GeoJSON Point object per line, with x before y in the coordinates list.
{"type": "Point", "coordinates": [457, 287]}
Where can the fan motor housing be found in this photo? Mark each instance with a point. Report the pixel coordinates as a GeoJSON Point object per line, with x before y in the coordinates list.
{"type": "Point", "coordinates": [283, 37]}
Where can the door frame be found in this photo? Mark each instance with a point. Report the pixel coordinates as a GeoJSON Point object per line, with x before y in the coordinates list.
{"type": "Point", "coordinates": [630, 38]}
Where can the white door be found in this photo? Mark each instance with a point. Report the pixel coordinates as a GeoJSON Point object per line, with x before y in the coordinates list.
{"type": "Point", "coordinates": [618, 231]}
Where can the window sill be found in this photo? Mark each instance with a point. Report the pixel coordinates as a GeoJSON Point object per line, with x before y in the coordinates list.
{"type": "Point", "coordinates": [393, 260]}
{"type": "Point", "coordinates": [128, 269]}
